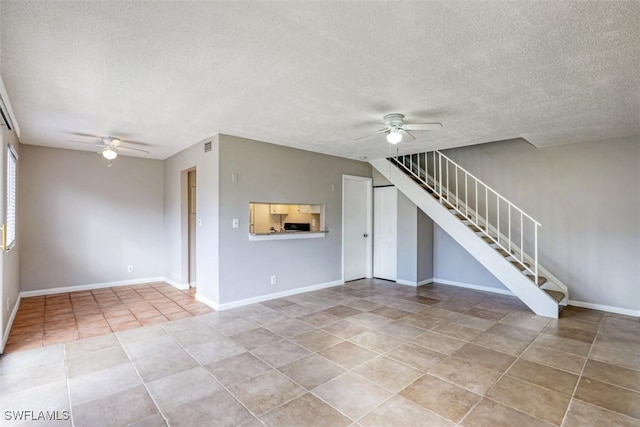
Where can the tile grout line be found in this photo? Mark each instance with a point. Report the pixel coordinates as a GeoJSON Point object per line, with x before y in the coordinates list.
{"type": "Point", "coordinates": [66, 378]}
{"type": "Point", "coordinates": [584, 365]}
{"type": "Point", "coordinates": [141, 379]}
{"type": "Point", "coordinates": [306, 391]}
{"type": "Point", "coordinates": [397, 394]}
{"type": "Point", "coordinates": [425, 373]}
{"type": "Point", "coordinates": [352, 370]}
{"type": "Point", "coordinates": [499, 378]}
{"type": "Point", "coordinates": [211, 374]}
{"type": "Point", "coordinates": [381, 355]}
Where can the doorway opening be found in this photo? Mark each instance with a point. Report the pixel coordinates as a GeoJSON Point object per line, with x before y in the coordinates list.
{"type": "Point", "coordinates": [192, 225]}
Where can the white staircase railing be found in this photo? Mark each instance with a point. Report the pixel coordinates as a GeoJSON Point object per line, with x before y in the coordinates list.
{"type": "Point", "coordinates": [503, 223]}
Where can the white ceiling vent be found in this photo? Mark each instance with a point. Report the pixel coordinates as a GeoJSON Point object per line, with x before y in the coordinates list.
{"type": "Point", "coordinates": [207, 146]}
{"type": "Point", "coordinates": [5, 120]}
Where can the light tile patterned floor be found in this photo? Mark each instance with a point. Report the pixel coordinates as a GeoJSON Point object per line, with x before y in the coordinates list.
{"type": "Point", "coordinates": [370, 353]}
{"type": "Point", "coordinates": [61, 318]}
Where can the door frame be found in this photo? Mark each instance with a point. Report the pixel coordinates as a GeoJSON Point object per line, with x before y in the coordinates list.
{"type": "Point", "coordinates": [184, 226]}
{"type": "Point", "coordinates": [369, 197]}
{"type": "Point", "coordinates": [192, 225]}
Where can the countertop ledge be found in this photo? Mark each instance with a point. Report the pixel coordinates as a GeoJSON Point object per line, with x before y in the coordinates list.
{"type": "Point", "coordinates": [288, 235]}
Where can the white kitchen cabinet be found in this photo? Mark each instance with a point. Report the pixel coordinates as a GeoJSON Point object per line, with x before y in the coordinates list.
{"type": "Point", "coordinates": [309, 209]}
{"type": "Point", "coordinates": [279, 209]}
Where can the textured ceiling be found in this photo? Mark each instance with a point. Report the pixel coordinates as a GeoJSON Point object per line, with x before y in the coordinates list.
{"type": "Point", "coordinates": [317, 75]}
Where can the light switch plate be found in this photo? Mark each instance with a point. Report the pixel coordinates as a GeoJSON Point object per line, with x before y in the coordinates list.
{"type": "Point", "coordinates": [236, 223]}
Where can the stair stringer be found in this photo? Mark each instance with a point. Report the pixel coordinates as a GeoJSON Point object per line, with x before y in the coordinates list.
{"type": "Point", "coordinates": [553, 283]}
{"type": "Point", "coordinates": [535, 298]}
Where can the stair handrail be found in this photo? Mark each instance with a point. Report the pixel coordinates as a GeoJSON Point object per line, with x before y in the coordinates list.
{"type": "Point", "coordinates": [439, 181]}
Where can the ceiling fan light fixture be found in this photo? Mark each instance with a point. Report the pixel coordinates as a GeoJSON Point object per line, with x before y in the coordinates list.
{"type": "Point", "coordinates": [394, 137]}
{"type": "Point", "coordinates": [109, 154]}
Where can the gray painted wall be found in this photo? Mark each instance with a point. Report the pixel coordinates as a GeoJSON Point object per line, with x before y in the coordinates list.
{"type": "Point", "coordinates": [273, 173]}
{"type": "Point", "coordinates": [452, 262]}
{"type": "Point", "coordinates": [83, 222]}
{"type": "Point", "coordinates": [586, 198]}
{"type": "Point", "coordinates": [425, 246]}
{"type": "Point", "coordinates": [10, 260]}
{"type": "Point", "coordinates": [379, 179]}
{"type": "Point", "coordinates": [175, 217]}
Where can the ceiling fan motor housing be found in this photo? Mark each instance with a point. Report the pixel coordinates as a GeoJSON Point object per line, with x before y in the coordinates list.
{"type": "Point", "coordinates": [394, 120]}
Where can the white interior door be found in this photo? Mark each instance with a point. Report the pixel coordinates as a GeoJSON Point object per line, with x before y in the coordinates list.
{"type": "Point", "coordinates": [385, 232]}
{"type": "Point", "coordinates": [356, 227]}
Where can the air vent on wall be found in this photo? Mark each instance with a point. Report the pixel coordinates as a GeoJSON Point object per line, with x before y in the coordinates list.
{"type": "Point", "coordinates": [207, 146]}
{"type": "Point", "coordinates": [5, 120]}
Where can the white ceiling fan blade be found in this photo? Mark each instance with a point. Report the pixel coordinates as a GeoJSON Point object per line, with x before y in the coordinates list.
{"type": "Point", "coordinates": [81, 142]}
{"type": "Point", "coordinates": [86, 135]}
{"type": "Point", "coordinates": [127, 141]}
{"type": "Point", "coordinates": [422, 126]}
{"type": "Point", "coordinates": [405, 133]}
{"type": "Point", "coordinates": [120, 147]}
{"type": "Point", "coordinates": [95, 144]}
{"type": "Point", "coordinates": [386, 129]}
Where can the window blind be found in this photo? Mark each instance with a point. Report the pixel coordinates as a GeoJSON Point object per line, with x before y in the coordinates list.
{"type": "Point", "coordinates": [11, 198]}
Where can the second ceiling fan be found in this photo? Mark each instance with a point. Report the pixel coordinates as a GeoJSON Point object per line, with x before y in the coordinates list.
{"type": "Point", "coordinates": [109, 146]}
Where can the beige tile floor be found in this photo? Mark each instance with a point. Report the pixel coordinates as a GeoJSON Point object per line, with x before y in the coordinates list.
{"type": "Point", "coordinates": [370, 353]}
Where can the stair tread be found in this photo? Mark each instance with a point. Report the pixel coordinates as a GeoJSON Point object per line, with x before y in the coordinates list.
{"type": "Point", "coordinates": [503, 252]}
{"type": "Point", "coordinates": [520, 266]}
{"type": "Point", "coordinates": [489, 239]}
{"type": "Point", "coordinates": [541, 279]}
{"type": "Point", "coordinates": [556, 295]}
{"type": "Point", "coordinates": [473, 227]}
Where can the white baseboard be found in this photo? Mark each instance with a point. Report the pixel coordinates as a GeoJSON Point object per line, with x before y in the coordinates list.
{"type": "Point", "coordinates": [406, 282]}
{"type": "Point", "coordinates": [91, 286]}
{"type": "Point", "coordinates": [207, 301]}
{"type": "Point", "coordinates": [608, 308]}
{"type": "Point", "coordinates": [413, 283]}
{"type": "Point", "coordinates": [7, 330]}
{"type": "Point", "coordinates": [182, 287]}
{"type": "Point", "coordinates": [192, 284]}
{"type": "Point", "coordinates": [472, 286]}
{"type": "Point", "coordinates": [267, 297]}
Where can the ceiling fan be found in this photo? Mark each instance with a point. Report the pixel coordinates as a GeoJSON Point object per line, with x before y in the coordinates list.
{"type": "Point", "coordinates": [109, 146]}
{"type": "Point", "coordinates": [396, 128]}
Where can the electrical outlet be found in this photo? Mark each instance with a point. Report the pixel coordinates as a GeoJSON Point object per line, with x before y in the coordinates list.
{"type": "Point", "coordinates": [274, 280]}
{"type": "Point", "coordinates": [130, 268]}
